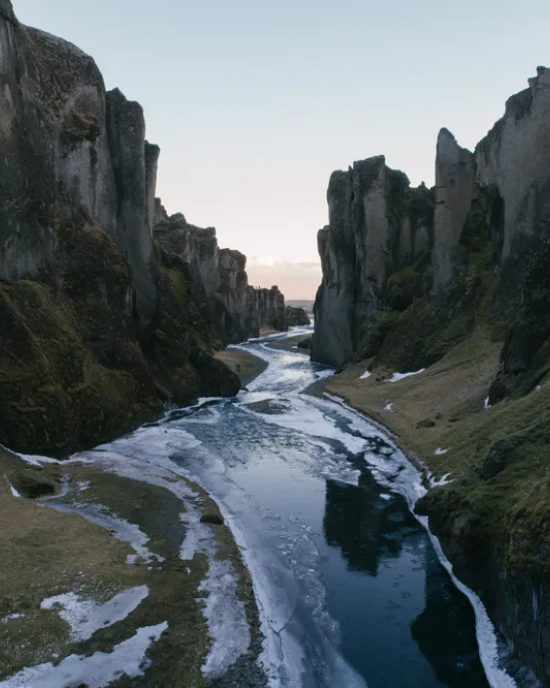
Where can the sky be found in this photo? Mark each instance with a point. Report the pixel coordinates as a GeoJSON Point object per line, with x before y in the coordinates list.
{"type": "Point", "coordinates": [255, 102]}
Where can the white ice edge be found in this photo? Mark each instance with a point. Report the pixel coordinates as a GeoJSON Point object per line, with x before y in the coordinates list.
{"type": "Point", "coordinates": [97, 671]}
{"type": "Point", "coordinates": [485, 630]}
{"type": "Point", "coordinates": [86, 616]}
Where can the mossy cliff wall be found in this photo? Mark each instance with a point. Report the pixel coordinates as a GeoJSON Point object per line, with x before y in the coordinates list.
{"type": "Point", "coordinates": [239, 310]}
{"type": "Point", "coordinates": [479, 274]}
{"type": "Point", "coordinates": [378, 227]}
{"type": "Point", "coordinates": [98, 325]}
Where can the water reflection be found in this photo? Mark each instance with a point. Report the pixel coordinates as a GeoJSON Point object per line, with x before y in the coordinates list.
{"type": "Point", "coordinates": [397, 598]}
{"type": "Point", "coordinates": [443, 633]}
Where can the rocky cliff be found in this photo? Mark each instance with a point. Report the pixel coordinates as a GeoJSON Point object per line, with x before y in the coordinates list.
{"type": "Point", "coordinates": [376, 245]}
{"type": "Point", "coordinates": [296, 317]}
{"type": "Point", "coordinates": [239, 311]}
{"type": "Point", "coordinates": [468, 274]}
{"type": "Point", "coordinates": [99, 325]}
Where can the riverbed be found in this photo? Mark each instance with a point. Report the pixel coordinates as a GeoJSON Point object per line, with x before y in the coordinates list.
{"type": "Point", "coordinates": [350, 589]}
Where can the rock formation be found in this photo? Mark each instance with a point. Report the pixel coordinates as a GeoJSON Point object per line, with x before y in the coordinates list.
{"type": "Point", "coordinates": [454, 190]}
{"type": "Point", "coordinates": [100, 324]}
{"type": "Point", "coordinates": [479, 270]}
{"type": "Point", "coordinates": [379, 227]}
{"type": "Point", "coordinates": [239, 310]}
{"type": "Point", "coordinates": [296, 317]}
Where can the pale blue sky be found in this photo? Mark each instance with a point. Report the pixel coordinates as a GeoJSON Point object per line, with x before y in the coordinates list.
{"type": "Point", "coordinates": [255, 103]}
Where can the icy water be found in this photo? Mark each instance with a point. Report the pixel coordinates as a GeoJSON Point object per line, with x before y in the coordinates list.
{"type": "Point", "coordinates": [350, 589]}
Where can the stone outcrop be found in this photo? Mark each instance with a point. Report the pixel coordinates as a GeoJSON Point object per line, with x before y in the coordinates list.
{"type": "Point", "coordinates": [239, 310]}
{"type": "Point", "coordinates": [378, 227]}
{"type": "Point", "coordinates": [296, 317]}
{"type": "Point", "coordinates": [454, 190]}
{"type": "Point", "coordinates": [99, 325]}
{"type": "Point", "coordinates": [485, 280]}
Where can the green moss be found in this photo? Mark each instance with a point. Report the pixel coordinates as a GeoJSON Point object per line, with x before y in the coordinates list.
{"type": "Point", "coordinates": [403, 288]}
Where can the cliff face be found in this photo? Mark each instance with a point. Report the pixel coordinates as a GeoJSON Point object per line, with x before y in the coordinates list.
{"type": "Point", "coordinates": [379, 227]}
{"type": "Point", "coordinates": [296, 317]}
{"type": "Point", "coordinates": [88, 303]}
{"type": "Point", "coordinates": [239, 311]}
{"type": "Point", "coordinates": [484, 284]}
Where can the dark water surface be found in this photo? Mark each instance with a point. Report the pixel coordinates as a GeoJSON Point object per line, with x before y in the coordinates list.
{"type": "Point", "coordinates": [351, 590]}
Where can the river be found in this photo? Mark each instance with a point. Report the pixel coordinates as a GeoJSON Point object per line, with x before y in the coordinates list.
{"type": "Point", "coordinates": [350, 589]}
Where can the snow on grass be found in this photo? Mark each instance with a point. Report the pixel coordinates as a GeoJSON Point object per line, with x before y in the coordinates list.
{"type": "Point", "coordinates": [401, 376]}
{"type": "Point", "coordinates": [486, 404]}
{"type": "Point", "coordinates": [14, 492]}
{"type": "Point", "coordinates": [85, 617]}
{"type": "Point", "coordinates": [145, 456]}
{"type": "Point", "coordinates": [440, 451]}
{"type": "Point", "coordinates": [444, 480]}
{"type": "Point", "coordinates": [12, 617]}
{"type": "Point", "coordinates": [198, 536]}
{"type": "Point", "coordinates": [123, 530]}
{"type": "Point", "coordinates": [127, 659]}
{"type": "Point", "coordinates": [226, 616]}
{"type": "Point", "coordinates": [365, 375]}
{"type": "Point", "coordinates": [389, 407]}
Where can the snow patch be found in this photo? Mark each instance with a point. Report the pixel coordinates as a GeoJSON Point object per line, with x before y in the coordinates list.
{"type": "Point", "coordinates": [440, 451]}
{"type": "Point", "coordinates": [226, 618]}
{"type": "Point", "coordinates": [14, 492]}
{"type": "Point", "coordinates": [389, 407]}
{"type": "Point", "coordinates": [85, 617]}
{"type": "Point", "coordinates": [486, 404]}
{"type": "Point", "coordinates": [99, 670]}
{"type": "Point", "coordinates": [401, 376]}
{"type": "Point", "coordinates": [123, 530]}
{"type": "Point", "coordinates": [322, 374]}
{"type": "Point", "coordinates": [365, 375]}
{"type": "Point", "coordinates": [444, 480]}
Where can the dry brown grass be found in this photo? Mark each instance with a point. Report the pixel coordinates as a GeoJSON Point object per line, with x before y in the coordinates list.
{"type": "Point", "coordinates": [449, 394]}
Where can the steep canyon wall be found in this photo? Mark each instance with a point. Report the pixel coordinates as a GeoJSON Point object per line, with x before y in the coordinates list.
{"type": "Point", "coordinates": [100, 323]}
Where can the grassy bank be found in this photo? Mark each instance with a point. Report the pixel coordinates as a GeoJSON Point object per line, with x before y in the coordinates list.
{"type": "Point", "coordinates": [78, 530]}
{"type": "Point", "coordinates": [496, 458]}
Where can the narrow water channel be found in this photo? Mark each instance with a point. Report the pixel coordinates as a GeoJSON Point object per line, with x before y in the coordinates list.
{"type": "Point", "coordinates": [350, 588]}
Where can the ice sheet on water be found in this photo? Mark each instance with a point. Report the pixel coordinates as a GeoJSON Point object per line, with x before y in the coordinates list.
{"type": "Point", "coordinates": [96, 671]}
{"type": "Point", "coordinates": [398, 474]}
{"type": "Point", "coordinates": [86, 616]}
{"type": "Point", "coordinates": [309, 419]}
